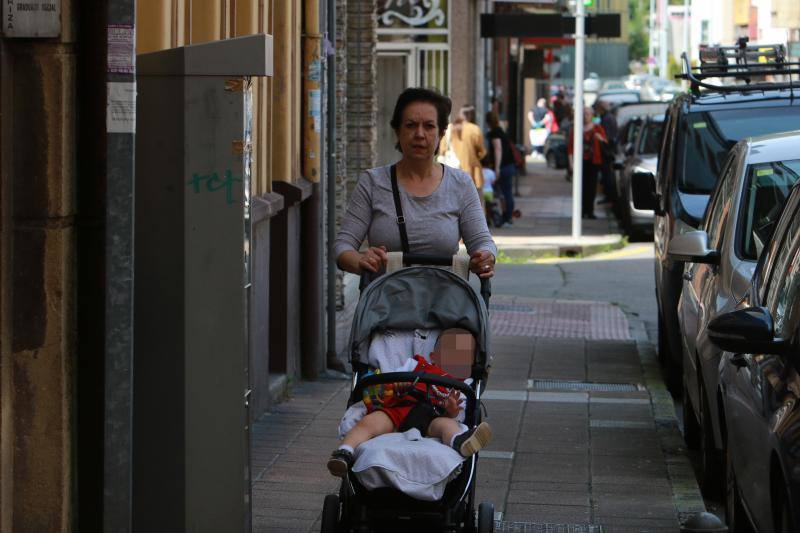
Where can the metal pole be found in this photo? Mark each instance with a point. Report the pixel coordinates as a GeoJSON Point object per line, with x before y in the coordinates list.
{"type": "Point", "coordinates": [662, 47]}
{"type": "Point", "coordinates": [117, 511]}
{"type": "Point", "coordinates": [651, 39]}
{"type": "Point", "coordinates": [686, 33]}
{"type": "Point", "coordinates": [331, 183]}
{"type": "Point", "coordinates": [577, 124]}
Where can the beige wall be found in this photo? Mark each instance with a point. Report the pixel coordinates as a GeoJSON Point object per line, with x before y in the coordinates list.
{"type": "Point", "coordinates": [38, 314]}
{"type": "Point", "coordinates": [162, 24]}
{"type": "Point", "coordinates": [786, 13]}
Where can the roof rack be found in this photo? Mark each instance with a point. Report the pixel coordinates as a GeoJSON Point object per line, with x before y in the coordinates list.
{"type": "Point", "coordinates": [747, 62]}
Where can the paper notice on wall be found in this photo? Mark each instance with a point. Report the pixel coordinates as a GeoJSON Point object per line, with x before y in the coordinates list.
{"type": "Point", "coordinates": [120, 48]}
{"type": "Point", "coordinates": [121, 108]}
{"type": "Point", "coordinates": [315, 108]}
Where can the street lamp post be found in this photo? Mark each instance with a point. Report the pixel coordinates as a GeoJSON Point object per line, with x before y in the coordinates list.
{"type": "Point", "coordinates": [577, 124]}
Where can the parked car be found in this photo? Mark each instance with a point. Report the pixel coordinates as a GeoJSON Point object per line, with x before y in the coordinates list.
{"type": "Point", "coordinates": [760, 387]}
{"type": "Point", "coordinates": [626, 112]}
{"type": "Point", "coordinates": [619, 96]}
{"type": "Point", "coordinates": [555, 150]}
{"type": "Point", "coordinates": [700, 128]}
{"type": "Point", "coordinates": [635, 173]}
{"type": "Point", "coordinates": [721, 256]}
{"type": "Point", "coordinates": [611, 85]}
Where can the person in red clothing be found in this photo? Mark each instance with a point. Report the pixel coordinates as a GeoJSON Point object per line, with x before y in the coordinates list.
{"type": "Point", "coordinates": [593, 137]}
{"type": "Point", "coordinates": [430, 409]}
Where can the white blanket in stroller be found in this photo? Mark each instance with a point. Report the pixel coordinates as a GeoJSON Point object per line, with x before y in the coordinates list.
{"type": "Point", "coordinates": [417, 466]}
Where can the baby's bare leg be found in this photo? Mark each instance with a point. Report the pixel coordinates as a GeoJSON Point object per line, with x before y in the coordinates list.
{"type": "Point", "coordinates": [374, 424]}
{"type": "Point", "coordinates": [444, 428]}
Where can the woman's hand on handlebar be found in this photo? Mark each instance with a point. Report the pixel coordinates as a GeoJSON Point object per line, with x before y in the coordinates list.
{"type": "Point", "coordinates": [373, 259]}
{"type": "Point", "coordinates": [482, 263]}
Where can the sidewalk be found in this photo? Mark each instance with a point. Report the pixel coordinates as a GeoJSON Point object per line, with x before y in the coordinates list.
{"type": "Point", "coordinates": [585, 437]}
{"type": "Point", "coordinates": [544, 199]}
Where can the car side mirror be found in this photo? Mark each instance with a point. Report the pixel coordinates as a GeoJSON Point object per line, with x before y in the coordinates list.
{"type": "Point", "coordinates": [749, 330]}
{"type": "Point", "coordinates": [693, 248]}
{"type": "Point", "coordinates": [643, 191]}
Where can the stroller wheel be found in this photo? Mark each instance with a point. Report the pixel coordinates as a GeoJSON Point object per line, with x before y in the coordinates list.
{"type": "Point", "coordinates": [485, 518]}
{"type": "Point", "coordinates": [330, 514]}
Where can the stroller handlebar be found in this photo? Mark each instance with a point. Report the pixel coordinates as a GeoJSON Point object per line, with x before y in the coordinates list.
{"type": "Point", "coordinates": [427, 260]}
{"type": "Point", "coordinates": [410, 377]}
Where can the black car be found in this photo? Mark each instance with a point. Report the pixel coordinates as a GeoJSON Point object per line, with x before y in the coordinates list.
{"type": "Point", "coordinates": [760, 386]}
{"type": "Point", "coordinates": [700, 127]}
{"type": "Point", "coordinates": [634, 175]}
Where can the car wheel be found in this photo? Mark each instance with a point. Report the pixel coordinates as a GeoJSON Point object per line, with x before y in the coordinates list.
{"type": "Point", "coordinates": [551, 160]}
{"type": "Point", "coordinates": [713, 460]}
{"type": "Point", "coordinates": [735, 516]}
{"type": "Point", "coordinates": [330, 514]}
{"type": "Point", "coordinates": [485, 518]}
{"type": "Point", "coordinates": [672, 378]}
{"type": "Point", "coordinates": [691, 429]}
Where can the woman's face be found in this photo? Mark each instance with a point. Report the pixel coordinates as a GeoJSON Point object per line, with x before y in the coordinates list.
{"type": "Point", "coordinates": [588, 115]}
{"type": "Point", "coordinates": [418, 134]}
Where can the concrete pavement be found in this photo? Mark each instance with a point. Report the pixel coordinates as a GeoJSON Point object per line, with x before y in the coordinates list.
{"type": "Point", "coordinates": [585, 437]}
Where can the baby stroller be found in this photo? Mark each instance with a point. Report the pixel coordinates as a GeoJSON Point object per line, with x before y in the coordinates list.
{"type": "Point", "coordinates": [427, 297]}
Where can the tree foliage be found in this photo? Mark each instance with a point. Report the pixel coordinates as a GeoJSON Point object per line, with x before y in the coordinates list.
{"type": "Point", "coordinates": [639, 38]}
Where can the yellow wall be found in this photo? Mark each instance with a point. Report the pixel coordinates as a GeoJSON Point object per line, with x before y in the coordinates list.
{"type": "Point", "coordinates": [163, 24]}
{"type": "Point", "coordinates": [741, 12]}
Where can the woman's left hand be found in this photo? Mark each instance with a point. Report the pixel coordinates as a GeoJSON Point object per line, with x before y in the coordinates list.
{"type": "Point", "coordinates": [482, 263]}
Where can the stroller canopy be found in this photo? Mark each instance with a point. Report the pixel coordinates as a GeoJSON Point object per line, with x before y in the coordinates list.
{"type": "Point", "coordinates": [419, 297]}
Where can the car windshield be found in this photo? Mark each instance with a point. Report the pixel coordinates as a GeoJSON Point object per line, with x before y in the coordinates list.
{"type": "Point", "coordinates": [767, 187]}
{"type": "Point", "coordinates": [707, 136]}
{"type": "Point", "coordinates": [650, 139]}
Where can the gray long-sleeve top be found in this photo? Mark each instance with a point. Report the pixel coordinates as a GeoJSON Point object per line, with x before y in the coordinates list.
{"type": "Point", "coordinates": [435, 223]}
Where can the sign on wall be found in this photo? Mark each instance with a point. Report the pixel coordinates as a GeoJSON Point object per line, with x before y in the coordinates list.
{"type": "Point", "coordinates": [31, 18]}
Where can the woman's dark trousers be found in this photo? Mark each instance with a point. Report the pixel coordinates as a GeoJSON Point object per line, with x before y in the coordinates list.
{"type": "Point", "coordinates": [590, 172]}
{"type": "Point", "coordinates": [507, 190]}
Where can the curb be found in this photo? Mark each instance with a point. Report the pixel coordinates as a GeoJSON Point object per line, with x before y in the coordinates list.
{"type": "Point", "coordinates": [686, 494]}
{"type": "Point", "coordinates": [560, 250]}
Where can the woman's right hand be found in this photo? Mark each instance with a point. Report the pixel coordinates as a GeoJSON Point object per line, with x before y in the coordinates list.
{"type": "Point", "coordinates": [373, 259]}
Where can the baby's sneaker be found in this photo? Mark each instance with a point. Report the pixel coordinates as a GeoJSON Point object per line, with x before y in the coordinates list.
{"type": "Point", "coordinates": [471, 441]}
{"type": "Point", "coordinates": [340, 462]}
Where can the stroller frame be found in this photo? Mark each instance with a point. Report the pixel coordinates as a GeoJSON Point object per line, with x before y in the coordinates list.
{"type": "Point", "coordinates": [355, 509]}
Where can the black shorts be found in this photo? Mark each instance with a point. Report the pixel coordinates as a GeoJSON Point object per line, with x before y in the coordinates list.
{"type": "Point", "coordinates": [420, 417]}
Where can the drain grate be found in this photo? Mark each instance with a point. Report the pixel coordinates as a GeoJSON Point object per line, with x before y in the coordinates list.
{"type": "Point", "coordinates": [582, 386]}
{"type": "Point", "coordinates": [512, 308]}
{"type": "Point", "coordinates": [538, 527]}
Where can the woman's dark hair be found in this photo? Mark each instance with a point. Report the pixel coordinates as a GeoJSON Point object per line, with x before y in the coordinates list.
{"type": "Point", "coordinates": [442, 104]}
{"type": "Point", "coordinates": [492, 120]}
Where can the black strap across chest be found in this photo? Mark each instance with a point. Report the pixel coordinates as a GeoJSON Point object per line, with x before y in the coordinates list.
{"type": "Point", "coordinates": [401, 221]}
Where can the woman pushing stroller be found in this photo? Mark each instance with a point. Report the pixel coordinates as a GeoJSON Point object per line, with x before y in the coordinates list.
{"type": "Point", "coordinates": [427, 208]}
{"type": "Point", "coordinates": [440, 204]}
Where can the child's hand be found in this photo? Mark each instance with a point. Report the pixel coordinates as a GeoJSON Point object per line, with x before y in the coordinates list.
{"type": "Point", "coordinates": [451, 406]}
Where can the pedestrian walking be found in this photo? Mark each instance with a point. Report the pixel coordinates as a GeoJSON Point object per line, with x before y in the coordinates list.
{"type": "Point", "coordinates": [416, 205]}
{"type": "Point", "coordinates": [501, 160]}
{"type": "Point", "coordinates": [594, 137]}
{"type": "Point", "coordinates": [560, 109]}
{"type": "Point", "coordinates": [467, 143]}
{"type": "Point", "coordinates": [609, 123]}
{"type": "Point", "coordinates": [542, 121]}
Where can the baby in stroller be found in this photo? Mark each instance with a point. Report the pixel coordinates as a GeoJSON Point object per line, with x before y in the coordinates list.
{"type": "Point", "coordinates": [431, 409]}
